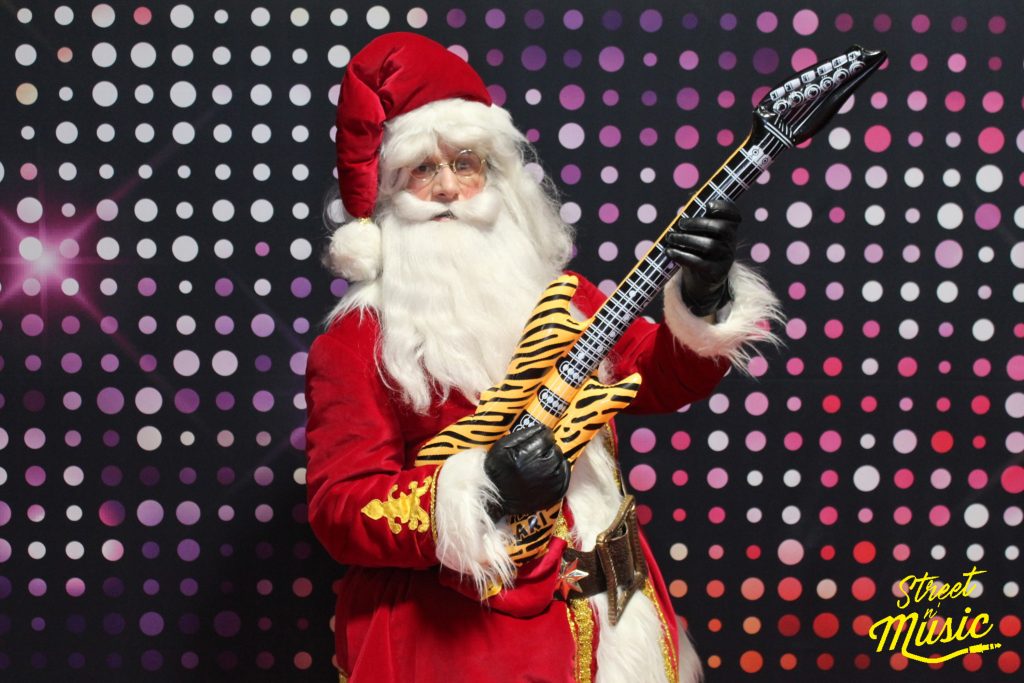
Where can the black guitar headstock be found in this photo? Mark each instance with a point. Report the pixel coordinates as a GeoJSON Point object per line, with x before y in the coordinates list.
{"type": "Point", "coordinates": [804, 103]}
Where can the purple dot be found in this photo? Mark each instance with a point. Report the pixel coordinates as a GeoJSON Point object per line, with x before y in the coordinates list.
{"type": "Point", "coordinates": [301, 287]}
{"type": "Point", "coordinates": [147, 286]}
{"type": "Point", "coordinates": [949, 253]}
{"type": "Point", "coordinates": [844, 22]}
{"type": "Point", "coordinates": [534, 58]}
{"type": "Point", "coordinates": [534, 19]}
{"type": "Point", "coordinates": [987, 216]}
{"type": "Point", "coordinates": [111, 513]}
{"type": "Point", "coordinates": [612, 20]}
{"type": "Point", "coordinates": [113, 624]}
{"type": "Point", "coordinates": [648, 137]}
{"type": "Point", "coordinates": [495, 57]}
{"type": "Point", "coordinates": [572, 58]}
{"type": "Point", "coordinates": [152, 660]}
{"type": "Point", "coordinates": [70, 325]}
{"type": "Point", "coordinates": [110, 400]}
{"type": "Point", "coordinates": [572, 97]}
{"type": "Point", "coordinates": [650, 20]}
{"type": "Point", "coordinates": [188, 550]}
{"type": "Point", "coordinates": [573, 19]}
{"type": "Point", "coordinates": [687, 99]}
{"type": "Point", "coordinates": [685, 176]}
{"type": "Point", "coordinates": [227, 624]}
{"type": "Point", "coordinates": [611, 59]}
{"type": "Point", "coordinates": [610, 136]}
{"type": "Point", "coordinates": [340, 286]}
{"type": "Point", "coordinates": [690, 21]}
{"type": "Point", "coordinates": [456, 18]}
{"type": "Point", "coordinates": [882, 23]}
{"type": "Point", "coordinates": [610, 97]}
{"type": "Point", "coordinates": [150, 513]}
{"type": "Point", "coordinates": [689, 60]}
{"type": "Point", "coordinates": [32, 325]}
{"type": "Point", "coordinates": [571, 174]}
{"type": "Point", "coordinates": [727, 61]}
{"type": "Point", "coordinates": [494, 18]}
{"type": "Point", "coordinates": [223, 286]}
{"type": "Point", "coordinates": [186, 401]}
{"type": "Point", "coordinates": [608, 213]}
{"type": "Point", "coordinates": [108, 324]}
{"type": "Point", "coordinates": [263, 362]}
{"type": "Point", "coordinates": [71, 363]}
{"type": "Point", "coordinates": [767, 22]}
{"type": "Point", "coordinates": [649, 98]}
{"type": "Point", "coordinates": [728, 21]}
{"type": "Point", "coordinates": [225, 400]}
{"type": "Point", "coordinates": [766, 60]}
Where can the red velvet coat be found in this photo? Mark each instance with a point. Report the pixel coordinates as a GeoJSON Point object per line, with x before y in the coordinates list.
{"type": "Point", "coordinates": [398, 617]}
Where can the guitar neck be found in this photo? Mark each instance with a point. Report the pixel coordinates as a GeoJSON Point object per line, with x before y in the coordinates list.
{"type": "Point", "coordinates": [639, 288]}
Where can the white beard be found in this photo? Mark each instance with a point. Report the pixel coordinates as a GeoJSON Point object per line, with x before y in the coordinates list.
{"type": "Point", "coordinates": [455, 294]}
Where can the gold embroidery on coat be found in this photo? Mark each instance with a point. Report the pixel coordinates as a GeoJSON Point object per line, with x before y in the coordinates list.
{"type": "Point", "coordinates": [405, 508]}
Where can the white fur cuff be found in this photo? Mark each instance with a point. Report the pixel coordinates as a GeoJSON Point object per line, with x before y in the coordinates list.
{"type": "Point", "coordinates": [468, 541]}
{"type": "Point", "coordinates": [354, 253]}
{"type": "Point", "coordinates": [746, 321]}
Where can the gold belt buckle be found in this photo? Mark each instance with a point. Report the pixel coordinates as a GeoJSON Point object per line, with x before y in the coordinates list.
{"type": "Point", "coordinates": [623, 537]}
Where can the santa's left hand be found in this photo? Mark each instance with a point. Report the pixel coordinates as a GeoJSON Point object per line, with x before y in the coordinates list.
{"type": "Point", "coordinates": [705, 247]}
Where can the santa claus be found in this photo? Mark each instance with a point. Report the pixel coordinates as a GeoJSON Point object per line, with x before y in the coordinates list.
{"type": "Point", "coordinates": [452, 239]}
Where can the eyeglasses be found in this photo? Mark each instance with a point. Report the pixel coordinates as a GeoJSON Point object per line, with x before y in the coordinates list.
{"type": "Point", "coordinates": [467, 164]}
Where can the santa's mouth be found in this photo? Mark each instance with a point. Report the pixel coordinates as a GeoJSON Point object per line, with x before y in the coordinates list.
{"type": "Point", "coordinates": [444, 216]}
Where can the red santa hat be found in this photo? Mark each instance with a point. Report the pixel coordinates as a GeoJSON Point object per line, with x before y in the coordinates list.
{"type": "Point", "coordinates": [393, 76]}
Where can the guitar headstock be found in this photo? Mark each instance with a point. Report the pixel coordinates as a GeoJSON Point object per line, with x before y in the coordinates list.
{"type": "Point", "coordinates": [804, 103]}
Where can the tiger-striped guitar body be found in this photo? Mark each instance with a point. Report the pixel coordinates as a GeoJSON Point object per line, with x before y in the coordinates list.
{"type": "Point", "coordinates": [574, 414]}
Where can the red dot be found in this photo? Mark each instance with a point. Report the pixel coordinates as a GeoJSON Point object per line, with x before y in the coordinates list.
{"type": "Point", "coordinates": [971, 662]}
{"type": "Point", "coordinates": [862, 661]}
{"type": "Point", "coordinates": [715, 588]}
{"type": "Point", "coordinates": [679, 514]}
{"type": "Point", "coordinates": [790, 588]}
{"type": "Point", "coordinates": [828, 552]}
{"type": "Point", "coordinates": [978, 442]}
{"type": "Point", "coordinates": [826, 661]}
{"type": "Point", "coordinates": [1009, 626]}
{"type": "Point", "coordinates": [898, 662]}
{"type": "Point", "coordinates": [831, 404]}
{"type": "Point", "coordinates": [826, 625]}
{"type": "Point", "coordinates": [644, 514]}
{"type": "Point", "coordinates": [1009, 662]}
{"type": "Point", "coordinates": [787, 661]}
{"type": "Point", "coordinates": [789, 625]}
{"type": "Point", "coordinates": [863, 588]}
{"type": "Point", "coordinates": [864, 552]}
{"type": "Point", "coordinates": [832, 366]}
{"type": "Point", "coordinates": [753, 552]}
{"type": "Point", "coordinates": [751, 661]}
{"type": "Point", "coordinates": [862, 624]}
{"type": "Point", "coordinates": [1012, 479]}
{"type": "Point", "coordinates": [868, 404]}
{"type": "Point", "coordinates": [980, 405]}
{"type": "Point", "coordinates": [942, 441]}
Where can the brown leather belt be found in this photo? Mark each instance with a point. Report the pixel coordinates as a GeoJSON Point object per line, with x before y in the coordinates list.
{"type": "Point", "coordinates": [616, 565]}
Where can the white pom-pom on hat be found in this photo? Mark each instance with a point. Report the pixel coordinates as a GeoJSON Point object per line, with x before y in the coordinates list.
{"type": "Point", "coordinates": [354, 252]}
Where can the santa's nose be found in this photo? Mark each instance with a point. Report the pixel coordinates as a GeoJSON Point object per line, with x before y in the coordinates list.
{"type": "Point", "coordinates": [445, 186]}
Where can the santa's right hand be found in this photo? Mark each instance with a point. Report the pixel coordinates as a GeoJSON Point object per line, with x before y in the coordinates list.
{"type": "Point", "coordinates": [528, 470]}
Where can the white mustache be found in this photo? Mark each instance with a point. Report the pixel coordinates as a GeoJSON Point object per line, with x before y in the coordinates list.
{"type": "Point", "coordinates": [480, 211]}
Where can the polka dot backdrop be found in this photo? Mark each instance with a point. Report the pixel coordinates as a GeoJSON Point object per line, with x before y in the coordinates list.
{"type": "Point", "coordinates": [161, 179]}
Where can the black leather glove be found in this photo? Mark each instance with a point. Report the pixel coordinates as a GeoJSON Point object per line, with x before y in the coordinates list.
{"type": "Point", "coordinates": [705, 247]}
{"type": "Point", "coordinates": [528, 470]}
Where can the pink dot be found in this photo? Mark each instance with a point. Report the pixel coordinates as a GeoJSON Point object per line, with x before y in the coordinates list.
{"type": "Point", "coordinates": [920, 23]}
{"type": "Point", "coordinates": [642, 440]}
{"type": "Point", "coordinates": [791, 551]}
{"type": "Point", "coordinates": [680, 441]}
{"type": "Point", "coordinates": [949, 253]}
{"type": "Point", "coordinates": [991, 140]}
{"type": "Point", "coordinates": [830, 441]}
{"type": "Point", "coordinates": [716, 515]}
{"type": "Point", "coordinates": [642, 477]}
{"type": "Point", "coordinates": [679, 514]}
{"type": "Point", "coordinates": [680, 477]}
{"type": "Point", "coordinates": [877, 138]}
{"type": "Point", "coordinates": [804, 58]}
{"type": "Point", "coordinates": [756, 403]}
{"type": "Point", "coordinates": [992, 102]}
{"type": "Point", "coordinates": [987, 216]}
{"type": "Point", "coordinates": [977, 479]}
{"type": "Point", "coordinates": [901, 552]}
{"type": "Point", "coordinates": [919, 62]}
{"type": "Point", "coordinates": [907, 367]}
{"type": "Point", "coordinates": [1015, 368]}
{"type": "Point", "coordinates": [956, 62]}
{"type": "Point", "coordinates": [828, 515]}
{"type": "Point", "coordinates": [904, 478]}
{"type": "Point", "coordinates": [685, 176]}
{"type": "Point", "coordinates": [982, 367]}
{"type": "Point", "coordinates": [955, 101]}
{"type": "Point", "coordinates": [793, 441]}
{"type": "Point", "coordinates": [871, 329]}
{"type": "Point", "coordinates": [836, 214]}
{"type": "Point", "coordinates": [794, 366]}
{"type": "Point", "coordinates": [834, 329]}
{"type": "Point", "coordinates": [687, 137]}
{"type": "Point", "coordinates": [939, 515]}
{"type": "Point", "coordinates": [756, 441]}
{"type": "Point", "coordinates": [829, 478]}
{"type": "Point", "coordinates": [902, 515]}
{"type": "Point", "coordinates": [797, 291]}
{"type": "Point", "coordinates": [805, 22]}
{"type": "Point", "coordinates": [838, 176]}
{"type": "Point", "coordinates": [717, 478]}
{"type": "Point", "coordinates": [832, 367]}
{"type": "Point", "coordinates": [142, 16]}
{"type": "Point", "coordinates": [800, 176]}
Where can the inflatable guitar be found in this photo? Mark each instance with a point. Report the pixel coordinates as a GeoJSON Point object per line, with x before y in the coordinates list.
{"type": "Point", "coordinates": [551, 377]}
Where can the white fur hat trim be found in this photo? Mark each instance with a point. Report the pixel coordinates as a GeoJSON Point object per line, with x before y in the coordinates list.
{"type": "Point", "coordinates": [354, 252]}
